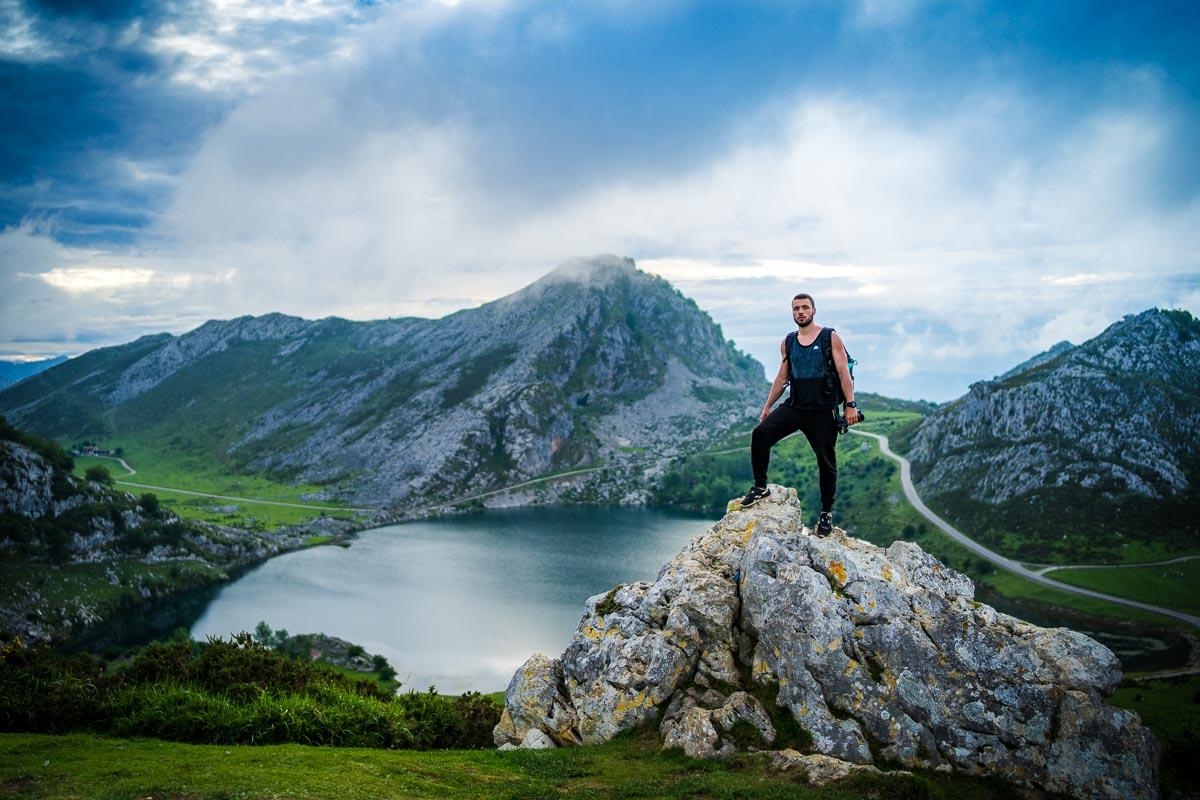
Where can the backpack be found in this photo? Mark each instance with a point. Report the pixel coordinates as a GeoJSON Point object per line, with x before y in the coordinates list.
{"type": "Point", "coordinates": [833, 386]}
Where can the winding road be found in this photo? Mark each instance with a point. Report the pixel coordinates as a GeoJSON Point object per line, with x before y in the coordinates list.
{"type": "Point", "coordinates": [1014, 567]}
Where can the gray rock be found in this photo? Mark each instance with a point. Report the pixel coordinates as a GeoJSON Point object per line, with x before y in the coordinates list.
{"type": "Point", "coordinates": [536, 740]}
{"type": "Point", "coordinates": [819, 769]}
{"type": "Point", "coordinates": [875, 652]}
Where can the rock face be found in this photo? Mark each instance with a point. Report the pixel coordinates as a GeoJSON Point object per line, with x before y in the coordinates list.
{"type": "Point", "coordinates": [878, 654]}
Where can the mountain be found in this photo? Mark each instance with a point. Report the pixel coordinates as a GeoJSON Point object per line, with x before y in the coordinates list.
{"type": "Point", "coordinates": [593, 362]}
{"type": "Point", "coordinates": [1103, 438]}
{"type": "Point", "coordinates": [13, 371]}
{"type": "Point", "coordinates": [760, 636]}
{"type": "Point", "coordinates": [1036, 361]}
{"type": "Point", "coordinates": [879, 402]}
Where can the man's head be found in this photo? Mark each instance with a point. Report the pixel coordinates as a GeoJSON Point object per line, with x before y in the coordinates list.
{"type": "Point", "coordinates": [804, 308]}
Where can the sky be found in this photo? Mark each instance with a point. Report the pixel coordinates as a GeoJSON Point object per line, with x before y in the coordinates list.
{"type": "Point", "coordinates": [959, 184]}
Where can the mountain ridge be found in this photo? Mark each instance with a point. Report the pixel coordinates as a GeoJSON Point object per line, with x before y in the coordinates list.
{"type": "Point", "coordinates": [592, 359]}
{"type": "Point", "coordinates": [1104, 434]}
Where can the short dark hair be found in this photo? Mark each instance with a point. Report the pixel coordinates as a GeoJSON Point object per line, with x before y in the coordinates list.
{"type": "Point", "coordinates": [808, 297]}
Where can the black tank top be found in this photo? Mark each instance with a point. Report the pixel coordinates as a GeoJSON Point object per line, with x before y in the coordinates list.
{"type": "Point", "coordinates": [807, 375]}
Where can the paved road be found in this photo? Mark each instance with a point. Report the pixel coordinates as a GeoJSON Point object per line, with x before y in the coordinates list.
{"type": "Point", "coordinates": [1042, 570]}
{"type": "Point", "coordinates": [1007, 563]}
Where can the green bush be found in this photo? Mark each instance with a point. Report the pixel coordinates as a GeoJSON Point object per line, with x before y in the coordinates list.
{"type": "Point", "coordinates": [150, 504]}
{"type": "Point", "coordinates": [98, 474]}
{"type": "Point", "coordinates": [229, 692]}
{"type": "Point", "coordinates": [40, 692]}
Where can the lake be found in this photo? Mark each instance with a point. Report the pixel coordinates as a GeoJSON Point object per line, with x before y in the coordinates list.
{"type": "Point", "coordinates": [461, 602]}
{"type": "Point", "coordinates": [458, 603]}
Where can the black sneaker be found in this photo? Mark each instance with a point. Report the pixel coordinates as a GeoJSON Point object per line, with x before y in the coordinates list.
{"type": "Point", "coordinates": [755, 494]}
{"type": "Point", "coordinates": [825, 523]}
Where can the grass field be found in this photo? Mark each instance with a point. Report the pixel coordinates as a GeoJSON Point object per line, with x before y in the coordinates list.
{"type": "Point", "coordinates": [1170, 708]}
{"type": "Point", "coordinates": [1173, 585]}
{"type": "Point", "coordinates": [213, 479]}
{"type": "Point", "coordinates": [87, 766]}
{"type": "Point", "coordinates": [90, 584]}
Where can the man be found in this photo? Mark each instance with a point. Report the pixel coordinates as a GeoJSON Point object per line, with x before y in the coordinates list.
{"type": "Point", "coordinates": [811, 406]}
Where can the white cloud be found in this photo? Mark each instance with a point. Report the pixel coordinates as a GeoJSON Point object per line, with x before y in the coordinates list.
{"type": "Point", "coordinates": [93, 279]}
{"type": "Point", "coordinates": [1088, 278]}
{"type": "Point", "coordinates": [241, 46]}
{"type": "Point", "coordinates": [19, 38]}
{"type": "Point", "coordinates": [950, 241]}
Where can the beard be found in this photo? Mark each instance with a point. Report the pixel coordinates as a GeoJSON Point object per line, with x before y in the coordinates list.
{"type": "Point", "coordinates": [806, 322]}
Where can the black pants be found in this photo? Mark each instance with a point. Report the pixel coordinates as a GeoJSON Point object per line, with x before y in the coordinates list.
{"type": "Point", "coordinates": [820, 427]}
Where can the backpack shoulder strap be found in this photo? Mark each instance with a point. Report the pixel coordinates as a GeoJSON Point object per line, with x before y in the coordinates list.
{"type": "Point", "coordinates": [787, 345]}
{"type": "Point", "coordinates": [825, 338]}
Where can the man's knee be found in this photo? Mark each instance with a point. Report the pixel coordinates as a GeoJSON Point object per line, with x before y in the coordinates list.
{"type": "Point", "coordinates": [759, 434]}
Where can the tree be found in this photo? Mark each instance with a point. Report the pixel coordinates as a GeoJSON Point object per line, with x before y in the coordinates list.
{"type": "Point", "coordinates": [383, 668]}
{"type": "Point", "coordinates": [263, 634]}
{"type": "Point", "coordinates": [149, 503]}
{"type": "Point", "coordinates": [98, 474]}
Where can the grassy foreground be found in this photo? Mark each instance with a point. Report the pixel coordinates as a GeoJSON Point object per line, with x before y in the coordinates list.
{"type": "Point", "coordinates": [87, 766]}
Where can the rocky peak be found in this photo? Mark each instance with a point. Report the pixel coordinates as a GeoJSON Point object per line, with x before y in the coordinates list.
{"type": "Point", "coordinates": [757, 626]}
{"type": "Point", "coordinates": [1084, 418]}
{"type": "Point", "coordinates": [595, 270]}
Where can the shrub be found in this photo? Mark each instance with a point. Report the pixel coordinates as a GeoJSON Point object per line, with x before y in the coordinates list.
{"type": "Point", "coordinates": [40, 691]}
{"type": "Point", "coordinates": [98, 474]}
{"type": "Point", "coordinates": [229, 692]}
{"type": "Point", "coordinates": [149, 503]}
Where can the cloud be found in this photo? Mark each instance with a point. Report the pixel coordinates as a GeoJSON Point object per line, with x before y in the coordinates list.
{"type": "Point", "coordinates": [416, 159]}
{"type": "Point", "coordinates": [1088, 278]}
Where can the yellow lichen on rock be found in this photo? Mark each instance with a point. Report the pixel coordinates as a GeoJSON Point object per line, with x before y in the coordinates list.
{"type": "Point", "coordinates": [838, 571]}
{"type": "Point", "coordinates": [625, 706]}
{"type": "Point", "coordinates": [885, 572]}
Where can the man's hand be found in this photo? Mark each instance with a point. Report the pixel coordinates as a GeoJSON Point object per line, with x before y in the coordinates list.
{"type": "Point", "coordinates": [852, 416]}
{"type": "Point", "coordinates": [765, 413]}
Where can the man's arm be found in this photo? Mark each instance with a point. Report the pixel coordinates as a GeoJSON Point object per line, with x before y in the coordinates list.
{"type": "Point", "coordinates": [781, 379]}
{"type": "Point", "coordinates": [843, 371]}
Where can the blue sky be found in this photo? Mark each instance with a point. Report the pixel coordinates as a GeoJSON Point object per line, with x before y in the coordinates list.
{"type": "Point", "coordinates": [959, 184]}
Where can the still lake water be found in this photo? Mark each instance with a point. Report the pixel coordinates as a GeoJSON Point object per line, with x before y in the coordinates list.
{"type": "Point", "coordinates": [460, 603]}
{"type": "Point", "coordinates": [457, 603]}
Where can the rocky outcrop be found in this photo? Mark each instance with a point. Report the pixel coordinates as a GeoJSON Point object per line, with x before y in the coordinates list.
{"type": "Point", "coordinates": [877, 654]}
{"type": "Point", "coordinates": [26, 482]}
